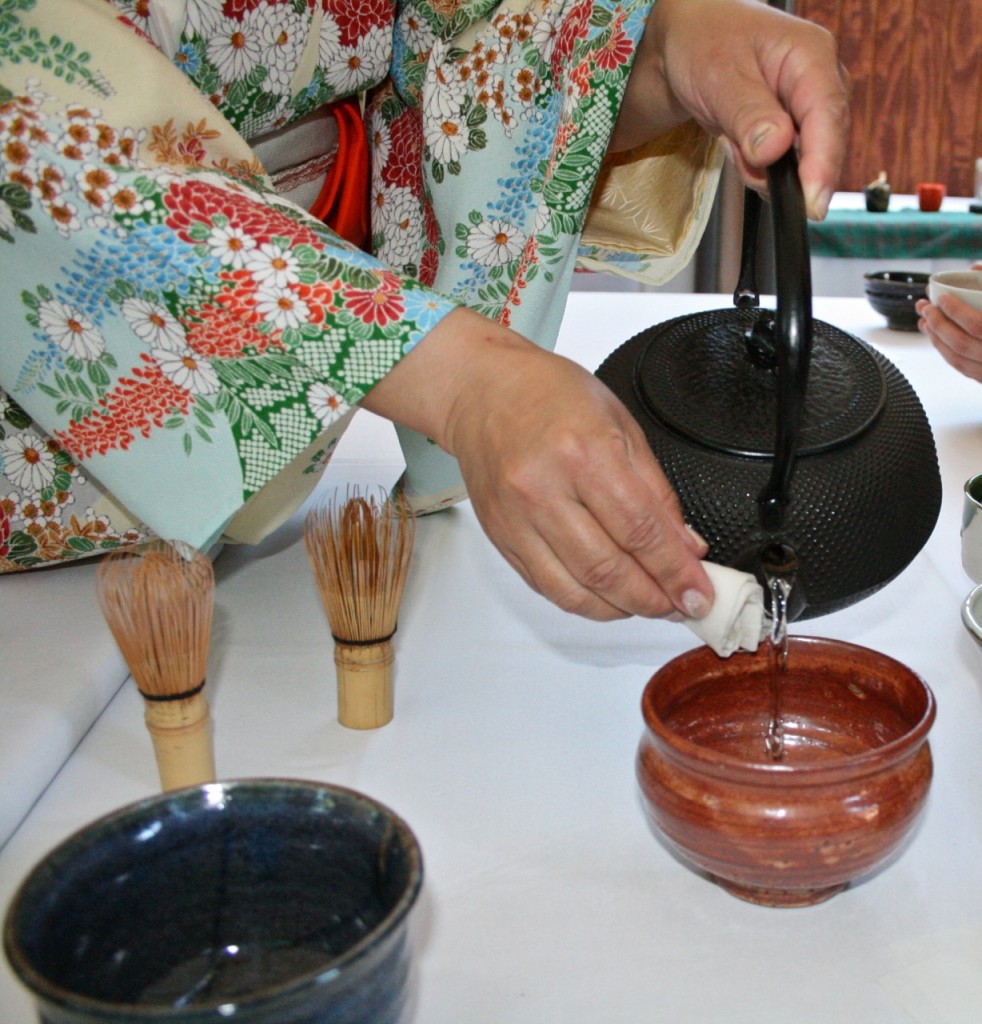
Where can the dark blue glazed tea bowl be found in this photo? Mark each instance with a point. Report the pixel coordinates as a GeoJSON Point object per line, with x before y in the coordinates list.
{"type": "Point", "coordinates": [894, 294]}
{"type": "Point", "coordinates": [258, 901]}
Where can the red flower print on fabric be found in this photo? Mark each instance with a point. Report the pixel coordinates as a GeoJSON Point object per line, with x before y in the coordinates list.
{"type": "Point", "coordinates": [239, 300]}
{"type": "Point", "coordinates": [320, 298]}
{"type": "Point", "coordinates": [193, 201]}
{"type": "Point", "coordinates": [574, 27]}
{"type": "Point", "coordinates": [356, 17]}
{"type": "Point", "coordinates": [565, 133]}
{"type": "Point", "coordinates": [225, 328]}
{"type": "Point", "coordinates": [224, 333]}
{"type": "Point", "coordinates": [404, 167]}
{"type": "Point", "coordinates": [379, 306]}
{"type": "Point", "coordinates": [616, 51]}
{"type": "Point", "coordinates": [429, 264]}
{"type": "Point", "coordinates": [238, 9]}
{"type": "Point", "coordinates": [579, 78]}
{"type": "Point", "coordinates": [431, 223]}
{"type": "Point", "coordinates": [134, 406]}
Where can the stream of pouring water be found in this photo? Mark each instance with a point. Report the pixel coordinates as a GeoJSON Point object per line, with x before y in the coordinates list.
{"type": "Point", "coordinates": [777, 660]}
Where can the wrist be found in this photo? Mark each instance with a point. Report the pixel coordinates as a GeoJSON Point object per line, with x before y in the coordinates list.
{"type": "Point", "coordinates": [448, 373]}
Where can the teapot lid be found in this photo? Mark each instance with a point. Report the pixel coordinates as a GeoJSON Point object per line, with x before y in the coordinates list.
{"type": "Point", "coordinates": [710, 377]}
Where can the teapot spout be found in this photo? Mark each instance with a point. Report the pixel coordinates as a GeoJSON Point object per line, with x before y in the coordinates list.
{"type": "Point", "coordinates": [776, 560]}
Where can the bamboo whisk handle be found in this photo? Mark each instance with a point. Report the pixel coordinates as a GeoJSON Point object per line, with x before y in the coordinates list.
{"type": "Point", "coordinates": [364, 673]}
{"type": "Point", "coordinates": [181, 734]}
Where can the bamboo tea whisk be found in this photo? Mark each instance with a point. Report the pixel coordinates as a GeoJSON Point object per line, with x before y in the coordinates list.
{"type": "Point", "coordinates": [158, 602]}
{"type": "Point", "coordinates": [359, 550]}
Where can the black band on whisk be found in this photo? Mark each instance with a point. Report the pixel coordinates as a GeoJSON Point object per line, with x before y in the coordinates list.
{"type": "Point", "coordinates": [162, 698]}
{"type": "Point", "coordinates": [363, 643]}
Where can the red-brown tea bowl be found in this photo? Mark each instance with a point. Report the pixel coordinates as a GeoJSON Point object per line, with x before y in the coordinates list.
{"type": "Point", "coordinates": [846, 794]}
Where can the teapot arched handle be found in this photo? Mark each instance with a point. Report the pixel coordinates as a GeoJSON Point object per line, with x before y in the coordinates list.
{"type": "Point", "coordinates": [746, 296]}
{"type": "Point", "coordinates": [792, 331]}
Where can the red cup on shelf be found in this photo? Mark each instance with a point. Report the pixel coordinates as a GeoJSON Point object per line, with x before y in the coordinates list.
{"type": "Point", "coordinates": [929, 195]}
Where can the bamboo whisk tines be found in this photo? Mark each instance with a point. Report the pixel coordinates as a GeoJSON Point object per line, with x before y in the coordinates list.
{"type": "Point", "coordinates": [359, 549]}
{"type": "Point", "coordinates": [158, 602]}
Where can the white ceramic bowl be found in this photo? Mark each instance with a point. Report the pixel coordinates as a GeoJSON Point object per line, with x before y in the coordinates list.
{"type": "Point", "coordinates": [963, 284]}
{"type": "Point", "coordinates": [972, 614]}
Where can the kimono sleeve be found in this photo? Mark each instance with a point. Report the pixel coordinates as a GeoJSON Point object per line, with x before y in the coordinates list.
{"type": "Point", "coordinates": [174, 332]}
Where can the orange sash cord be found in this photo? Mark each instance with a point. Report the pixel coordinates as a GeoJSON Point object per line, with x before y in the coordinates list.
{"type": "Point", "coordinates": [343, 203]}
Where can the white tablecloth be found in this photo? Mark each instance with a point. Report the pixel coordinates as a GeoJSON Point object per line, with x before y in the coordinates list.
{"type": "Point", "coordinates": [547, 898]}
{"type": "Point", "coordinates": [60, 668]}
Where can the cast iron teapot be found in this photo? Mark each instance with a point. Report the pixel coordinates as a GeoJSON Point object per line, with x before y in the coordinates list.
{"type": "Point", "coordinates": [795, 448]}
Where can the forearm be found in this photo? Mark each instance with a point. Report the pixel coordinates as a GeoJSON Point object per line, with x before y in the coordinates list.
{"type": "Point", "coordinates": [559, 474]}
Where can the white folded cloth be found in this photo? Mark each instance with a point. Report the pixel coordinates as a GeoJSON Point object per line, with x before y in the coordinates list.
{"type": "Point", "coordinates": [736, 620]}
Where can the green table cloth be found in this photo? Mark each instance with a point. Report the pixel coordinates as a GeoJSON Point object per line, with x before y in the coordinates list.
{"type": "Point", "coordinates": [896, 234]}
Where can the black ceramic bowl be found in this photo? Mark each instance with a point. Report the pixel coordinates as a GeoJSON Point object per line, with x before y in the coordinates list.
{"type": "Point", "coordinates": [892, 293]}
{"type": "Point", "coordinates": [260, 901]}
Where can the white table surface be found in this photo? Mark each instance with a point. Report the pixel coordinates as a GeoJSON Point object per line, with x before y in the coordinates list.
{"type": "Point", "coordinates": [547, 898]}
{"type": "Point", "coordinates": [60, 668]}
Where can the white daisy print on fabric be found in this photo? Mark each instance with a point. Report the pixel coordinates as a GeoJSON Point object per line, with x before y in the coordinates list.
{"type": "Point", "coordinates": [325, 403]}
{"type": "Point", "coordinates": [272, 266]}
{"type": "Point", "coordinates": [350, 68]}
{"type": "Point", "coordinates": [415, 29]}
{"type": "Point", "coordinates": [231, 245]}
{"type": "Point", "coordinates": [70, 329]}
{"type": "Point", "coordinates": [444, 89]}
{"type": "Point", "coordinates": [542, 220]}
{"type": "Point", "coordinates": [154, 324]}
{"type": "Point", "coordinates": [283, 36]}
{"type": "Point", "coordinates": [545, 32]}
{"type": "Point", "coordinates": [139, 14]}
{"type": "Point", "coordinates": [494, 243]}
{"type": "Point", "coordinates": [281, 307]}
{"type": "Point", "coordinates": [27, 463]}
{"type": "Point", "coordinates": [187, 370]}
{"type": "Point", "coordinates": [399, 218]}
{"type": "Point", "coordinates": [329, 40]}
{"type": "Point", "coordinates": [381, 147]}
{"type": "Point", "coordinates": [202, 15]}
{"type": "Point", "coordinates": [447, 140]}
{"type": "Point", "coordinates": [236, 46]}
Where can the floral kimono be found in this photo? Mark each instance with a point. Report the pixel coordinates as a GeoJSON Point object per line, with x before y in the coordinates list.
{"type": "Point", "coordinates": [182, 346]}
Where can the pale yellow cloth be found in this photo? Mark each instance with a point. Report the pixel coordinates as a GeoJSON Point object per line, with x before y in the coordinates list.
{"type": "Point", "coordinates": [653, 202]}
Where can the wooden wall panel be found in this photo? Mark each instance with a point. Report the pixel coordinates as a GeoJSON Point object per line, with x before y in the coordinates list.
{"type": "Point", "coordinates": [961, 129]}
{"type": "Point", "coordinates": [916, 70]}
{"type": "Point", "coordinates": [928, 68]}
{"type": "Point", "coordinates": [889, 121]}
{"type": "Point", "coordinates": [857, 49]}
